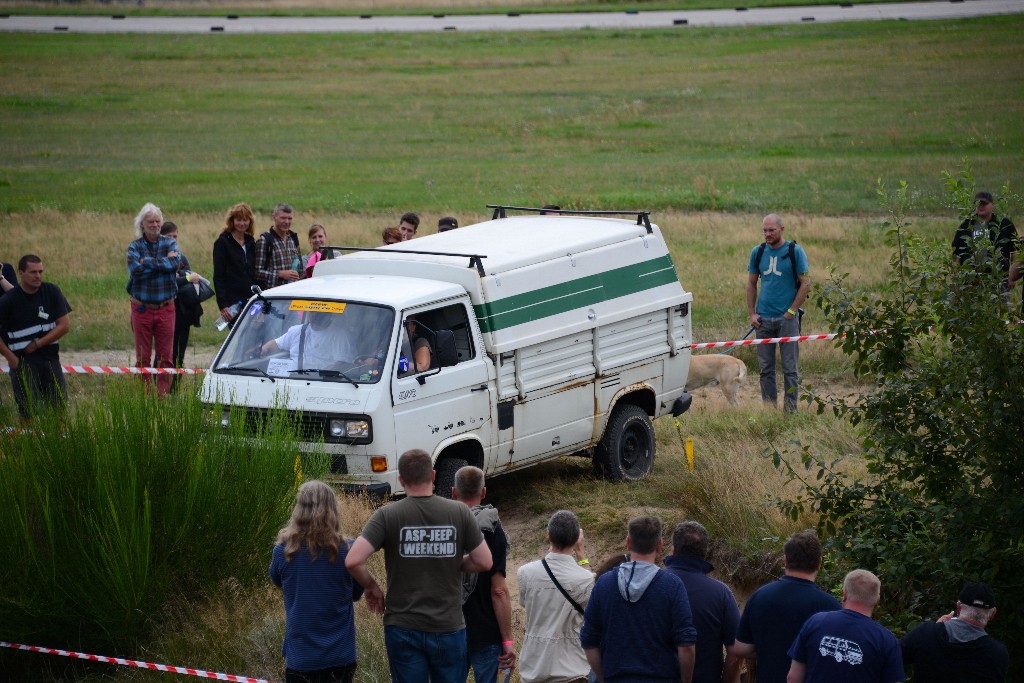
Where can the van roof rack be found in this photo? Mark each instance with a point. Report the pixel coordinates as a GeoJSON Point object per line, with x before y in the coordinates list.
{"type": "Point", "coordinates": [475, 260]}
{"type": "Point", "coordinates": [642, 217]}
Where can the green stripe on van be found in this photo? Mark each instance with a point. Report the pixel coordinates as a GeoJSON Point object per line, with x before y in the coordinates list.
{"type": "Point", "coordinates": [566, 296]}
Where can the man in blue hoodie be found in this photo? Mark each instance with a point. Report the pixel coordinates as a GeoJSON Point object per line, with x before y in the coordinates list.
{"type": "Point", "coordinates": [637, 627]}
{"type": "Point", "coordinates": [715, 614]}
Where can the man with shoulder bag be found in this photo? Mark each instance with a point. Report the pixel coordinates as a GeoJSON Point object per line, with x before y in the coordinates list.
{"type": "Point", "coordinates": [555, 591]}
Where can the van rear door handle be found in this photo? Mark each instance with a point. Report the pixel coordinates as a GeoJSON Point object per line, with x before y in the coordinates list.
{"type": "Point", "coordinates": [482, 387]}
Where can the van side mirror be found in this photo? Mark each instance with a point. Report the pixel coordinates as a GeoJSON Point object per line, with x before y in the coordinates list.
{"type": "Point", "coordinates": [444, 346]}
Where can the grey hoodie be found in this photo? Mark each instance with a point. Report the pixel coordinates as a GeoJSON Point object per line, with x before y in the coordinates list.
{"type": "Point", "coordinates": [634, 578]}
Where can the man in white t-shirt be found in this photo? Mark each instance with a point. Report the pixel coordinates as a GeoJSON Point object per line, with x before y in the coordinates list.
{"type": "Point", "coordinates": [323, 343]}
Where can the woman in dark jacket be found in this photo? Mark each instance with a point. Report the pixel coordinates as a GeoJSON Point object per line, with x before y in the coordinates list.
{"type": "Point", "coordinates": [234, 259]}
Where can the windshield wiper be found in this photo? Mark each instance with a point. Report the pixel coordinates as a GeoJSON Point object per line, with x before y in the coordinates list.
{"type": "Point", "coordinates": [331, 374]}
{"type": "Point", "coordinates": [242, 369]}
{"type": "Point", "coordinates": [239, 368]}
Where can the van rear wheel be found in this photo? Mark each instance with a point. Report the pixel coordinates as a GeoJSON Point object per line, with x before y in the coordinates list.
{"type": "Point", "coordinates": [445, 479]}
{"type": "Point", "coordinates": [626, 451]}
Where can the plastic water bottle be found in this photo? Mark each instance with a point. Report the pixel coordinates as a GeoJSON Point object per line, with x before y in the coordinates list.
{"type": "Point", "coordinates": [221, 323]}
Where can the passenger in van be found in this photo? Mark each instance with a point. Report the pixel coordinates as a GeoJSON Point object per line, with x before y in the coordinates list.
{"type": "Point", "coordinates": [322, 344]}
{"type": "Point", "coordinates": [422, 353]}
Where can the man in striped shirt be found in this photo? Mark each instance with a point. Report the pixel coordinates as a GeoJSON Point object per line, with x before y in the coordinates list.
{"type": "Point", "coordinates": [33, 316]}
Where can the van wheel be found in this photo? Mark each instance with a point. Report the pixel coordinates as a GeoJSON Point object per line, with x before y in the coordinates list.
{"type": "Point", "coordinates": [445, 479]}
{"type": "Point", "coordinates": [626, 452]}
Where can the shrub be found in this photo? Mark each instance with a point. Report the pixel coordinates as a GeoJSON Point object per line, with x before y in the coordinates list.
{"type": "Point", "coordinates": [943, 498]}
{"type": "Point", "coordinates": [127, 502]}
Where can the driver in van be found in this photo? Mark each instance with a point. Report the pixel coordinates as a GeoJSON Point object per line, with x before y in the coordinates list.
{"type": "Point", "coordinates": [323, 343]}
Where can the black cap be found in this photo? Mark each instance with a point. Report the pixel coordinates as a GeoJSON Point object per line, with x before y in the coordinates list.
{"type": "Point", "coordinates": [987, 196]}
{"type": "Point", "coordinates": [447, 223]}
{"type": "Point", "coordinates": [977, 594]}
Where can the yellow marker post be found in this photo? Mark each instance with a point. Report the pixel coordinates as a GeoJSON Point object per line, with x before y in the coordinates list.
{"type": "Point", "coordinates": [689, 453]}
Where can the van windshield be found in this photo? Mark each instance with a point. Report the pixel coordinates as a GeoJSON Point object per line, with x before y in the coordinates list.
{"type": "Point", "coordinates": [333, 341]}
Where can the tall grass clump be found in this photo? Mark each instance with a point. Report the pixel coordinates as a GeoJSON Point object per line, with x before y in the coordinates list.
{"type": "Point", "coordinates": [113, 510]}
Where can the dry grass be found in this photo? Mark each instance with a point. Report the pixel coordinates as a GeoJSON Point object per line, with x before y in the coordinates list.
{"type": "Point", "coordinates": [83, 253]}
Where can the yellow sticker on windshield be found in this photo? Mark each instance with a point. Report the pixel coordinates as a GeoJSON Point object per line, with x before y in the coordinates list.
{"type": "Point", "coordinates": [317, 306]}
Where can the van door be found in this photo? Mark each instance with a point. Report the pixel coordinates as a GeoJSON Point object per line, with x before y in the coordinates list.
{"type": "Point", "coordinates": [433, 404]}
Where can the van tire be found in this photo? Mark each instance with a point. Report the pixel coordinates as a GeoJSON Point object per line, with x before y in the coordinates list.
{"type": "Point", "coordinates": [445, 480]}
{"type": "Point", "coordinates": [627, 449]}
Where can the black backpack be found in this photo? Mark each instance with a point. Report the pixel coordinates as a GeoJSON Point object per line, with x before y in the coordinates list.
{"type": "Point", "coordinates": [791, 256]}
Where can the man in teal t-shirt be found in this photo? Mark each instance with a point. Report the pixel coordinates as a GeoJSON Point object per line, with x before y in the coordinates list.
{"type": "Point", "coordinates": [785, 280]}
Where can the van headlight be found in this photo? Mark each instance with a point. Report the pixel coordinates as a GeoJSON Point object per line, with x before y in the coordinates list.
{"type": "Point", "coordinates": [346, 428]}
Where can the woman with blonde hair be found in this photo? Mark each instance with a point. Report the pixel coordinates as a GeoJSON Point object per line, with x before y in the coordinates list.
{"type": "Point", "coordinates": [234, 259]}
{"type": "Point", "coordinates": [309, 567]}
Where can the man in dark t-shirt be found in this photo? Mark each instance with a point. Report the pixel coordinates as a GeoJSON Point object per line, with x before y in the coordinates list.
{"type": "Point", "coordinates": [428, 543]}
{"type": "Point", "coordinates": [33, 316]}
{"type": "Point", "coordinates": [486, 604]}
{"type": "Point", "coordinates": [775, 613]}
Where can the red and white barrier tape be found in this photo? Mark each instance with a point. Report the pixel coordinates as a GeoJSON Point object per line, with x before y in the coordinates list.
{"type": "Point", "coordinates": [773, 340]}
{"type": "Point", "coordinates": [104, 370]}
{"type": "Point", "coordinates": [136, 663]}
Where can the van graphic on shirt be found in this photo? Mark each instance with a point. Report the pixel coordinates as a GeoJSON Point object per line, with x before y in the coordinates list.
{"type": "Point", "coordinates": [841, 649]}
{"type": "Point", "coordinates": [427, 541]}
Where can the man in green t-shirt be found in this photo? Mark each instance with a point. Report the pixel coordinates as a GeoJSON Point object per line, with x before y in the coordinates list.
{"type": "Point", "coordinates": [428, 543]}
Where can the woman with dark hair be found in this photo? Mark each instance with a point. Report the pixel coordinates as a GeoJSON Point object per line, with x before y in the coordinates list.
{"type": "Point", "coordinates": [234, 259]}
{"type": "Point", "coordinates": [187, 309]}
{"type": "Point", "coordinates": [309, 568]}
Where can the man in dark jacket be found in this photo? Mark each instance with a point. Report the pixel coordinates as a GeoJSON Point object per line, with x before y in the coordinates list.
{"type": "Point", "coordinates": [715, 614]}
{"type": "Point", "coordinates": [486, 603]}
{"type": "Point", "coordinates": [1001, 232]}
{"type": "Point", "coordinates": [957, 649]}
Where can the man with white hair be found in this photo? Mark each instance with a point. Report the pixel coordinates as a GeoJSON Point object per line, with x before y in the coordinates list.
{"type": "Point", "coordinates": [956, 648]}
{"type": "Point", "coordinates": [847, 646]}
{"type": "Point", "coordinates": [152, 286]}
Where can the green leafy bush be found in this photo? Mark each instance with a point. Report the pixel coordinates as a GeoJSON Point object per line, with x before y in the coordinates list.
{"type": "Point", "coordinates": [127, 502]}
{"type": "Point", "coordinates": [943, 426]}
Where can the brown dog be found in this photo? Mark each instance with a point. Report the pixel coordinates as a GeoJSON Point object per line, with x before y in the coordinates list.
{"type": "Point", "coordinates": [720, 369]}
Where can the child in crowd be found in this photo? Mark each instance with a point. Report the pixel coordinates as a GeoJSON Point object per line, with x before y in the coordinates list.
{"type": "Point", "coordinates": [309, 567]}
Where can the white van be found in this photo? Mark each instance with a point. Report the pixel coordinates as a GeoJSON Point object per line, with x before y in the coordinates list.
{"type": "Point", "coordinates": [500, 344]}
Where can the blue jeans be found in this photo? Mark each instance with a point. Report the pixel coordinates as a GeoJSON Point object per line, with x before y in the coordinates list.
{"type": "Point", "coordinates": [779, 327]}
{"type": "Point", "coordinates": [419, 656]}
{"type": "Point", "coordinates": [484, 661]}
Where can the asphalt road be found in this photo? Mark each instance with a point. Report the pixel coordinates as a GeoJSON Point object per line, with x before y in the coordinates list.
{"type": "Point", "coordinates": [915, 11]}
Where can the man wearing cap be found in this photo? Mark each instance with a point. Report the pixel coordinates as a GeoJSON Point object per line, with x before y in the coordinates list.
{"type": "Point", "coordinates": [1001, 232]}
{"type": "Point", "coordinates": [447, 223]}
{"type": "Point", "coordinates": [957, 649]}
{"type": "Point", "coordinates": [847, 646]}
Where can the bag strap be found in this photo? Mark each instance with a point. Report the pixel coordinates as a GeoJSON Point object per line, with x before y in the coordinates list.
{"type": "Point", "coordinates": [792, 260]}
{"type": "Point", "coordinates": [561, 590]}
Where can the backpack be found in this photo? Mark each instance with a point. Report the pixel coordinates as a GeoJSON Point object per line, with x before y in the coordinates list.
{"type": "Point", "coordinates": [487, 519]}
{"type": "Point", "coordinates": [271, 236]}
{"type": "Point", "coordinates": [792, 260]}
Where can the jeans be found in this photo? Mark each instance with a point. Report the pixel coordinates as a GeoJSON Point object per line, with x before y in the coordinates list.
{"type": "Point", "coordinates": [154, 330]}
{"type": "Point", "coordinates": [779, 327]}
{"type": "Point", "coordinates": [484, 661]}
{"type": "Point", "coordinates": [419, 656]}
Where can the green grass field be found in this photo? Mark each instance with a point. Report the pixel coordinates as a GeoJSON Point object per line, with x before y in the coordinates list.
{"type": "Point", "coordinates": [801, 118]}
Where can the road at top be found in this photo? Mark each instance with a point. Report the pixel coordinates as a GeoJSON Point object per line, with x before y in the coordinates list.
{"type": "Point", "coordinates": [915, 11]}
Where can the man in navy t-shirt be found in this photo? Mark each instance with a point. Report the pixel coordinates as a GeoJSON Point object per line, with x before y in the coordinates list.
{"type": "Point", "coordinates": [775, 613]}
{"type": "Point", "coordinates": [847, 646]}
